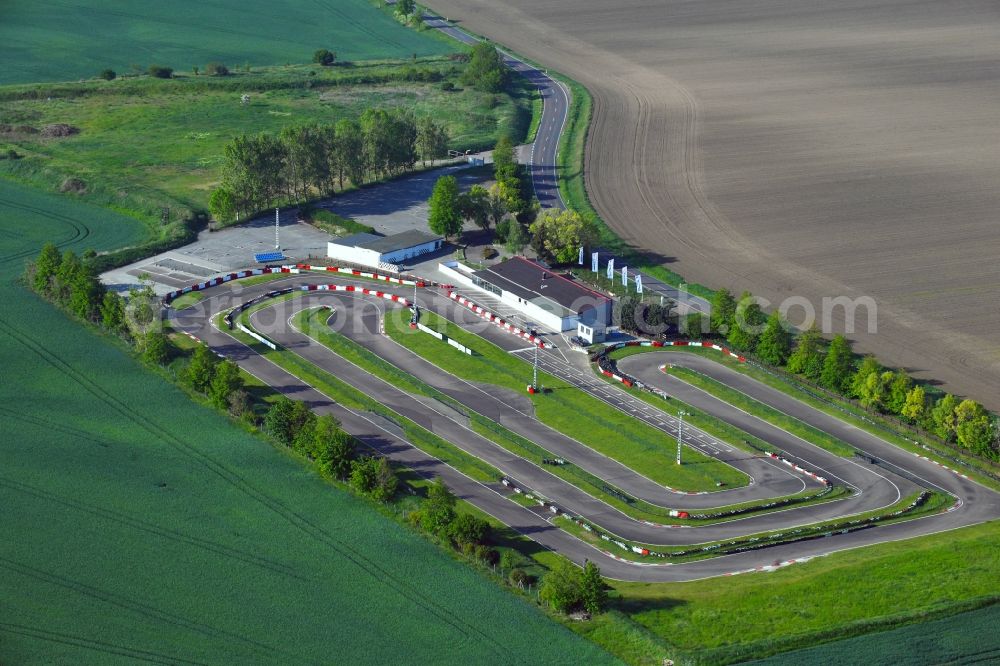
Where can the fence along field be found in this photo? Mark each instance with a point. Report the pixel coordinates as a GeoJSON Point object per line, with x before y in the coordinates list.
{"type": "Point", "coordinates": [183, 33]}
{"type": "Point", "coordinates": [149, 527]}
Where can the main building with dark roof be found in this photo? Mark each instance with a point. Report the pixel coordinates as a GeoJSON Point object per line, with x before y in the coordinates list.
{"type": "Point", "coordinates": [547, 297]}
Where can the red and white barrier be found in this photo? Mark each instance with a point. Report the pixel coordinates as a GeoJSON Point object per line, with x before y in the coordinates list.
{"type": "Point", "coordinates": [687, 343]}
{"type": "Point", "coordinates": [359, 290]}
{"type": "Point", "coordinates": [364, 274]}
{"type": "Point", "coordinates": [801, 470]}
{"type": "Point", "coordinates": [942, 465]}
{"type": "Point", "coordinates": [222, 279]}
{"type": "Point", "coordinates": [499, 321]}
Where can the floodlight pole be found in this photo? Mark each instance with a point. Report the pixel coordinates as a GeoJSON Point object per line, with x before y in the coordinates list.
{"type": "Point", "coordinates": [534, 380]}
{"type": "Point", "coordinates": [277, 243]}
{"type": "Point", "coordinates": [680, 428]}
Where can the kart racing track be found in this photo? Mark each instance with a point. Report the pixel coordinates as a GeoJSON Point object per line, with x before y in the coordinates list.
{"type": "Point", "coordinates": [630, 545]}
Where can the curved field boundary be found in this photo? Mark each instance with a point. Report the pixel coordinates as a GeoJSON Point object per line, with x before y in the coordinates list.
{"type": "Point", "coordinates": [498, 320]}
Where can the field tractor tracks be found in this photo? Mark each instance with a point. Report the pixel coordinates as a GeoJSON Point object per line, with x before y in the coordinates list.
{"type": "Point", "coordinates": [297, 520]}
{"type": "Point", "coordinates": [95, 645]}
{"type": "Point", "coordinates": [127, 604]}
{"type": "Point", "coordinates": [80, 230]}
{"type": "Point", "coordinates": [134, 523]}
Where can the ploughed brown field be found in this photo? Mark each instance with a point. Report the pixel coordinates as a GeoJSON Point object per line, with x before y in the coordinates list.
{"type": "Point", "coordinates": [795, 148]}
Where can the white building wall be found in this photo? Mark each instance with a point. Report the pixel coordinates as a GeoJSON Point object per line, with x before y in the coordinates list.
{"type": "Point", "coordinates": [402, 255]}
{"type": "Point", "coordinates": [550, 320]}
{"type": "Point", "coordinates": [354, 255]}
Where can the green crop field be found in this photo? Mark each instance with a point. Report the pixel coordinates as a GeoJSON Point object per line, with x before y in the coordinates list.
{"type": "Point", "coordinates": [966, 638]}
{"type": "Point", "coordinates": [72, 39]}
{"type": "Point", "coordinates": [141, 526]}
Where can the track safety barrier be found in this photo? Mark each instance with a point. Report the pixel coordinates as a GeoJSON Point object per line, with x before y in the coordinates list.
{"type": "Point", "coordinates": [806, 533]}
{"type": "Point", "coordinates": [257, 336]}
{"type": "Point", "coordinates": [364, 274]}
{"type": "Point", "coordinates": [499, 321]}
{"type": "Point", "coordinates": [358, 290]}
{"type": "Point", "coordinates": [222, 279]}
{"type": "Point", "coordinates": [801, 470]}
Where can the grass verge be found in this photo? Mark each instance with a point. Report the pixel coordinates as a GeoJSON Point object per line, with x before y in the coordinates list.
{"type": "Point", "coordinates": [312, 324]}
{"type": "Point", "coordinates": [563, 407]}
{"type": "Point", "coordinates": [847, 412]}
{"type": "Point", "coordinates": [347, 395]}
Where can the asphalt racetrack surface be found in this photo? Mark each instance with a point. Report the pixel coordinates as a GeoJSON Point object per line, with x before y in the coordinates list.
{"type": "Point", "coordinates": [358, 317]}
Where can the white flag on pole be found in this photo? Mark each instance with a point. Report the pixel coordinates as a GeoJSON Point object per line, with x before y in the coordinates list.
{"type": "Point", "coordinates": [624, 276]}
{"type": "Point", "coordinates": [638, 283]}
{"type": "Point", "coordinates": [611, 269]}
{"type": "Point", "coordinates": [581, 256]}
{"type": "Point", "coordinates": [593, 262]}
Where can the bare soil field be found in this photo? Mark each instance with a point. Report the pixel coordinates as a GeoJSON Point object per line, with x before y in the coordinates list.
{"type": "Point", "coordinates": [845, 148]}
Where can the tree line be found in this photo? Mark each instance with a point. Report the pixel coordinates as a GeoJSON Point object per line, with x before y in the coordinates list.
{"type": "Point", "coordinates": [834, 366]}
{"type": "Point", "coordinates": [71, 282]}
{"type": "Point", "coordinates": [264, 170]}
{"type": "Point", "coordinates": [831, 365]}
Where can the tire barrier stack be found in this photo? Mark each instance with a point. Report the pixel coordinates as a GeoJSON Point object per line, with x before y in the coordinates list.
{"type": "Point", "coordinates": [807, 533]}
{"type": "Point", "coordinates": [230, 316]}
{"type": "Point", "coordinates": [374, 276]}
{"type": "Point", "coordinates": [499, 321]}
{"type": "Point", "coordinates": [201, 286]}
{"type": "Point", "coordinates": [553, 509]}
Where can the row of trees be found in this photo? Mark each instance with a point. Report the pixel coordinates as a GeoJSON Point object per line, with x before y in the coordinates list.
{"type": "Point", "coordinates": [71, 282]}
{"type": "Point", "coordinates": [834, 366]}
{"type": "Point", "coordinates": [322, 440]}
{"type": "Point", "coordinates": [263, 170]}
{"type": "Point", "coordinates": [218, 380]}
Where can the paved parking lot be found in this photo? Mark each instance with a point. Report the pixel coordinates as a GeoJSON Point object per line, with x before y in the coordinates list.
{"type": "Point", "coordinates": [390, 208]}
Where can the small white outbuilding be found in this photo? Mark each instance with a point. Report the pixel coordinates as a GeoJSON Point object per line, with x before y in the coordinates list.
{"type": "Point", "coordinates": [384, 252]}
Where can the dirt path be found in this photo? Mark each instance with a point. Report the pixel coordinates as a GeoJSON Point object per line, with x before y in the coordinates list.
{"type": "Point", "coordinates": [842, 149]}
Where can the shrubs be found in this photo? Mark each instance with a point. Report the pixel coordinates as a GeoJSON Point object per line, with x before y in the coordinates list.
{"type": "Point", "coordinates": [216, 69]}
{"type": "Point", "coordinates": [108, 74]}
{"type": "Point", "coordinates": [324, 57]}
{"type": "Point", "coordinates": [59, 130]}
{"type": "Point", "coordinates": [486, 71]}
{"type": "Point", "coordinates": [566, 588]}
{"type": "Point", "coordinates": [160, 72]}
{"type": "Point", "coordinates": [836, 368]}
